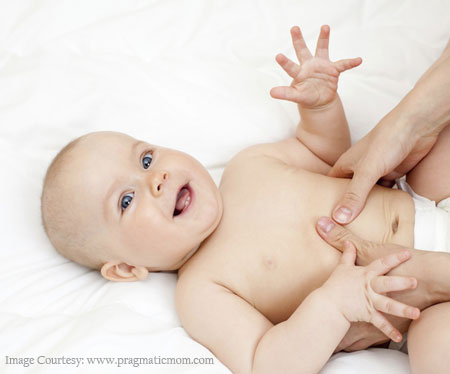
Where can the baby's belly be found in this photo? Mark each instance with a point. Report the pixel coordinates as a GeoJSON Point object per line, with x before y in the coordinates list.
{"type": "Point", "coordinates": [279, 259]}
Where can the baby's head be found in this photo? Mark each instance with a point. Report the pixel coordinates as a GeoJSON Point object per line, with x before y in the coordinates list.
{"type": "Point", "coordinates": [126, 207]}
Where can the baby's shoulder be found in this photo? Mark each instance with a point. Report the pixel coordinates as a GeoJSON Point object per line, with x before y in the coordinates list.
{"type": "Point", "coordinates": [194, 284]}
{"type": "Point", "coordinates": [288, 152]}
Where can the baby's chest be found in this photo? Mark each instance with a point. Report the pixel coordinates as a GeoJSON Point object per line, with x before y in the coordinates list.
{"type": "Point", "coordinates": [273, 266]}
{"type": "Point", "coordinates": [273, 256]}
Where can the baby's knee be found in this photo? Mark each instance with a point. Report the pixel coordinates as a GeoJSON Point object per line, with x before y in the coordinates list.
{"type": "Point", "coordinates": [429, 340]}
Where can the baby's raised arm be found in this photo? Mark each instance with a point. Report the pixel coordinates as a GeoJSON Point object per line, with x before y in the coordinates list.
{"type": "Point", "coordinates": [323, 127]}
{"type": "Point", "coordinates": [247, 342]}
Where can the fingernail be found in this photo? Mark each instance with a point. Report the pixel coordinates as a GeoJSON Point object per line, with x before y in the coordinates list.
{"type": "Point", "coordinates": [414, 313]}
{"type": "Point", "coordinates": [398, 338]}
{"type": "Point", "coordinates": [325, 224]}
{"type": "Point", "coordinates": [342, 215]}
{"type": "Point", "coordinates": [404, 255]}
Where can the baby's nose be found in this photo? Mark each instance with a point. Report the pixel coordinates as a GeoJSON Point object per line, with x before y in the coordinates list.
{"type": "Point", "coordinates": [157, 180]}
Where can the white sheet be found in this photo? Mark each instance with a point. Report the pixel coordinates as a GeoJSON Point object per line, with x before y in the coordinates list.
{"type": "Point", "coordinates": [189, 75]}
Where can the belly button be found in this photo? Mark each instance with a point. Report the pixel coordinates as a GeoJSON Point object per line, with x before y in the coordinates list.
{"type": "Point", "coordinates": [395, 225]}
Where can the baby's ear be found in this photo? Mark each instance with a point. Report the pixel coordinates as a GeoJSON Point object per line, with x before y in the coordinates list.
{"type": "Point", "coordinates": [123, 272]}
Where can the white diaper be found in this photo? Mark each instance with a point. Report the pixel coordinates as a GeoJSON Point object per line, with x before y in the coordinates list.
{"type": "Point", "coordinates": [431, 232]}
{"type": "Point", "coordinates": [432, 222]}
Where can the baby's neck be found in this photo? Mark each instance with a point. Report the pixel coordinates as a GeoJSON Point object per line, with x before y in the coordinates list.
{"type": "Point", "coordinates": [186, 258]}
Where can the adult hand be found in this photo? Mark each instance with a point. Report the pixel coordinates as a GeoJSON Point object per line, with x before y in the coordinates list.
{"type": "Point", "coordinates": [384, 154]}
{"type": "Point", "coordinates": [428, 267]}
{"type": "Point", "coordinates": [361, 335]}
{"type": "Point", "coordinates": [397, 144]}
{"type": "Point", "coordinates": [366, 251]}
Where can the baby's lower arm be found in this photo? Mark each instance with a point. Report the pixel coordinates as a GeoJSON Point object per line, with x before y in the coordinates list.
{"type": "Point", "coordinates": [305, 341]}
{"type": "Point", "coordinates": [325, 130]}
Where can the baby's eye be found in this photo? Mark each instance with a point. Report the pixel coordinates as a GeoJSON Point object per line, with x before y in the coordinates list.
{"type": "Point", "coordinates": [147, 160]}
{"type": "Point", "coordinates": [126, 200]}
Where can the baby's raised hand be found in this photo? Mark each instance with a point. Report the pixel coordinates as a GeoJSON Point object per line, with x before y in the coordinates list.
{"type": "Point", "coordinates": [359, 291]}
{"type": "Point", "coordinates": [315, 79]}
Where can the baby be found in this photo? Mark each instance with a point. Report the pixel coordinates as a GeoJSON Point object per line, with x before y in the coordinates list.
{"type": "Point", "coordinates": [257, 285]}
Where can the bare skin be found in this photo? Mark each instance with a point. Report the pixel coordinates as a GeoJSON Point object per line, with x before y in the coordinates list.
{"type": "Point", "coordinates": [428, 336]}
{"type": "Point", "coordinates": [396, 145]}
{"type": "Point", "coordinates": [250, 282]}
{"type": "Point", "coordinates": [265, 257]}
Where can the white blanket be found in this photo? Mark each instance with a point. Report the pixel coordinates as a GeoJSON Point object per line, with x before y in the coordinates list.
{"type": "Point", "coordinates": [190, 75]}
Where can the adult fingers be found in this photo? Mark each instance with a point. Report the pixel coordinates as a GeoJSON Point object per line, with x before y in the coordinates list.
{"type": "Point", "coordinates": [356, 332]}
{"type": "Point", "coordinates": [343, 167]}
{"type": "Point", "coordinates": [336, 235]}
{"type": "Point", "coordinates": [355, 196]}
{"type": "Point", "coordinates": [386, 183]}
{"type": "Point", "coordinates": [361, 344]}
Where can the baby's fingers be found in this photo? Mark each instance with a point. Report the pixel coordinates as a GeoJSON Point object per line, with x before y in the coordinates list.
{"type": "Point", "coordinates": [381, 323]}
{"type": "Point", "coordinates": [287, 93]}
{"type": "Point", "coordinates": [384, 264]}
{"type": "Point", "coordinates": [350, 63]}
{"type": "Point", "coordinates": [323, 41]}
{"type": "Point", "coordinates": [385, 284]}
{"type": "Point", "coordinates": [288, 65]}
{"type": "Point", "coordinates": [389, 306]}
{"type": "Point", "coordinates": [301, 50]}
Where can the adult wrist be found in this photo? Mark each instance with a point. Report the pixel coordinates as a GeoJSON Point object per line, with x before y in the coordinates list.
{"type": "Point", "coordinates": [427, 106]}
{"type": "Point", "coordinates": [436, 266]}
{"type": "Point", "coordinates": [431, 271]}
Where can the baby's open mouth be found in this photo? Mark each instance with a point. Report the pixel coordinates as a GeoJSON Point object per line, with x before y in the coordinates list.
{"type": "Point", "coordinates": [183, 200]}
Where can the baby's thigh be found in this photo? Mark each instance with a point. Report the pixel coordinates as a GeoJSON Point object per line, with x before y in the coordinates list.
{"type": "Point", "coordinates": [431, 176]}
{"type": "Point", "coordinates": [429, 341]}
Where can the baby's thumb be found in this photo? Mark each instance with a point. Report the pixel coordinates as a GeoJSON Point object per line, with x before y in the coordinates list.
{"type": "Point", "coordinates": [349, 255]}
{"type": "Point", "coordinates": [354, 198]}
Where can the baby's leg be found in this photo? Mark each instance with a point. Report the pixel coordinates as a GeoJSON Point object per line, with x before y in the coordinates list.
{"type": "Point", "coordinates": [431, 176]}
{"type": "Point", "coordinates": [429, 341]}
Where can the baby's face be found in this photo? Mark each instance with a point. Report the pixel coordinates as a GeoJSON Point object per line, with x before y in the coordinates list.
{"type": "Point", "coordinates": [129, 188]}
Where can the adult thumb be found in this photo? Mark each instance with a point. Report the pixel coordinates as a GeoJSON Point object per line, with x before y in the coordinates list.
{"type": "Point", "coordinates": [336, 235]}
{"type": "Point", "coordinates": [354, 199]}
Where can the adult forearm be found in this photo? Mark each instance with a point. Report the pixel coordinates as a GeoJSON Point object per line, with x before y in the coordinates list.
{"type": "Point", "coordinates": [425, 110]}
{"type": "Point", "coordinates": [431, 269]}
{"type": "Point", "coordinates": [325, 130]}
{"type": "Point", "coordinates": [433, 287]}
{"type": "Point", "coordinates": [304, 342]}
